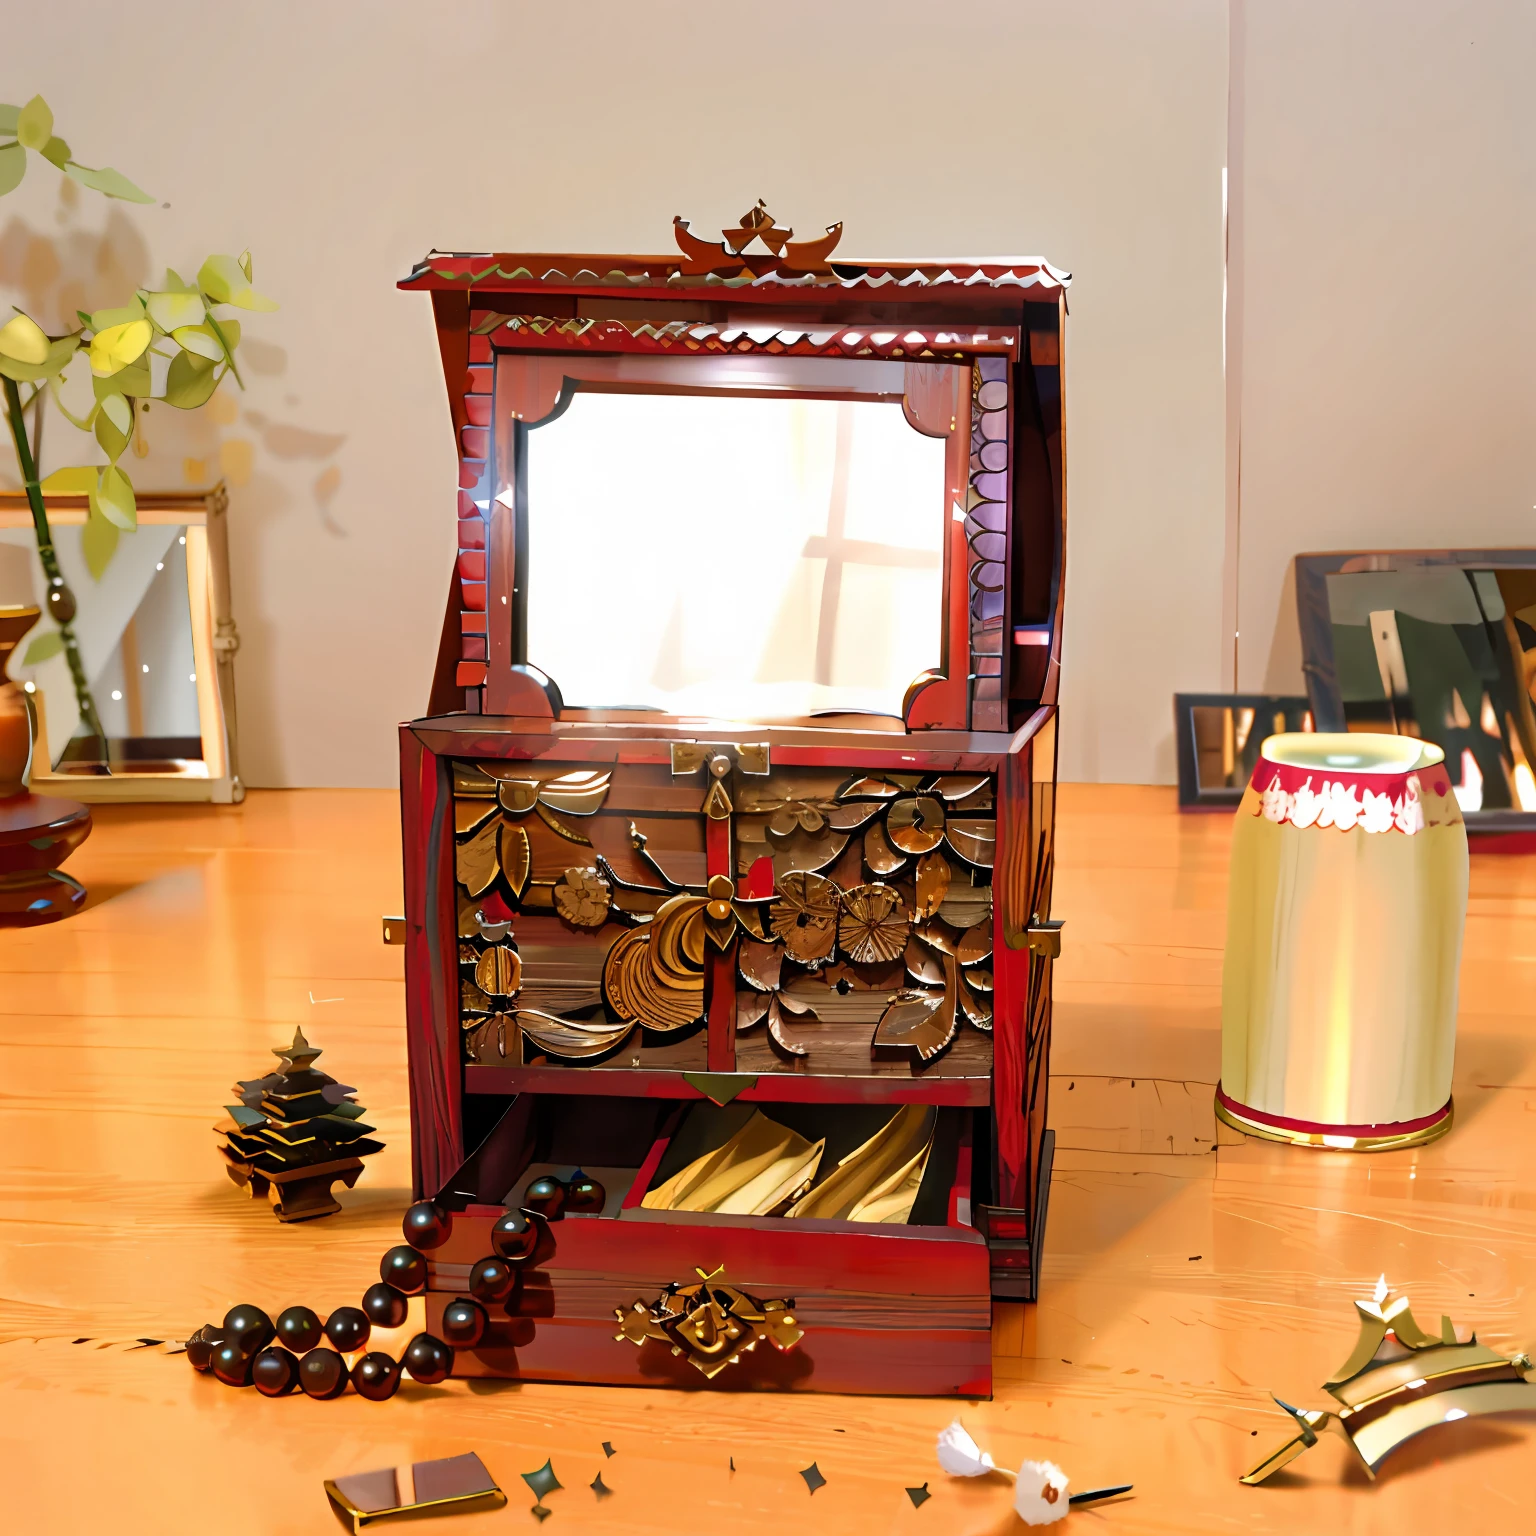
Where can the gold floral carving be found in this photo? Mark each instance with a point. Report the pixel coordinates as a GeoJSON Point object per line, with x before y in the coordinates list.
{"type": "Point", "coordinates": [581, 897]}
{"type": "Point", "coordinates": [804, 917]}
{"type": "Point", "coordinates": [761, 967]}
{"type": "Point", "coordinates": [476, 863]}
{"type": "Point", "coordinates": [655, 975]}
{"type": "Point", "coordinates": [516, 857]}
{"type": "Point", "coordinates": [932, 882]}
{"type": "Point", "coordinates": [872, 926]}
{"type": "Point", "coordinates": [574, 1039]}
{"type": "Point", "coordinates": [915, 825]}
{"type": "Point", "coordinates": [925, 1022]}
{"type": "Point", "coordinates": [499, 971]}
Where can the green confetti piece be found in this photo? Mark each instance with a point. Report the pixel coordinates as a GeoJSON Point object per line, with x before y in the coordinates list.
{"type": "Point", "coordinates": [543, 1481]}
{"type": "Point", "coordinates": [813, 1477]}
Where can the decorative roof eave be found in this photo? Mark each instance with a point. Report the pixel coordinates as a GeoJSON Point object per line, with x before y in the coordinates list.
{"type": "Point", "coordinates": [1036, 279]}
{"type": "Point", "coordinates": [899, 343]}
{"type": "Point", "coordinates": [758, 253]}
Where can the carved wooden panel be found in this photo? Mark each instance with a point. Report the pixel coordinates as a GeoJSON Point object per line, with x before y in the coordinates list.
{"type": "Point", "coordinates": [722, 915]}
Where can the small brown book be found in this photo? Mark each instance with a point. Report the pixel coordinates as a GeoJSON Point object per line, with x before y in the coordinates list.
{"type": "Point", "coordinates": [454, 1485]}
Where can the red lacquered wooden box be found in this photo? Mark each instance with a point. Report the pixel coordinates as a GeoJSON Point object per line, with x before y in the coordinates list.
{"type": "Point", "coordinates": [728, 834]}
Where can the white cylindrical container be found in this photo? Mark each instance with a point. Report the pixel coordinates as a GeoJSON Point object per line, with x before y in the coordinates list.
{"type": "Point", "coordinates": [1347, 898]}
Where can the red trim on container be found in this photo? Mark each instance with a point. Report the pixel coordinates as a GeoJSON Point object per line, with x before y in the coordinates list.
{"type": "Point", "coordinates": [1317, 1128]}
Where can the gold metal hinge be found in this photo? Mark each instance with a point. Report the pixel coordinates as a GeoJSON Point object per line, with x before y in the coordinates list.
{"type": "Point", "coordinates": [1044, 934]}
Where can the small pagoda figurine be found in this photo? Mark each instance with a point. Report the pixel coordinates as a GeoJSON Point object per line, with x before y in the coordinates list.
{"type": "Point", "coordinates": [293, 1133]}
{"type": "Point", "coordinates": [1401, 1380]}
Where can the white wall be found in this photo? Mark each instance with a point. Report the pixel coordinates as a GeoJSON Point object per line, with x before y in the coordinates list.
{"type": "Point", "coordinates": [1388, 322]}
{"type": "Point", "coordinates": [340, 141]}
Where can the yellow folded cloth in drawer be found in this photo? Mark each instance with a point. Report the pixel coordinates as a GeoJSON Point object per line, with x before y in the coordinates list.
{"type": "Point", "coordinates": [878, 1181]}
{"type": "Point", "coordinates": [753, 1174]}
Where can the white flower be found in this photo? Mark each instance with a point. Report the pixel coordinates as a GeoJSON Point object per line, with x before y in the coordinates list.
{"type": "Point", "coordinates": [960, 1456]}
{"type": "Point", "coordinates": [1277, 804]}
{"type": "Point", "coordinates": [1305, 805]}
{"type": "Point", "coordinates": [1377, 814]}
{"type": "Point", "coordinates": [1344, 807]}
{"type": "Point", "coordinates": [1040, 1494]}
{"type": "Point", "coordinates": [1409, 813]}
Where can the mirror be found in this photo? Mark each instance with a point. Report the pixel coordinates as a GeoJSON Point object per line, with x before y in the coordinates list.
{"type": "Point", "coordinates": [762, 541]}
{"type": "Point", "coordinates": [1218, 738]}
{"type": "Point", "coordinates": [1439, 646]}
{"type": "Point", "coordinates": [158, 658]}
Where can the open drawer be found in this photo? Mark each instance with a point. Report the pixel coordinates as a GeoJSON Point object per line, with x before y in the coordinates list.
{"type": "Point", "coordinates": [893, 1306]}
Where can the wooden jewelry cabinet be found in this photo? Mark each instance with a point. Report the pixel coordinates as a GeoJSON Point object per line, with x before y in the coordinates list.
{"type": "Point", "coordinates": [705, 897]}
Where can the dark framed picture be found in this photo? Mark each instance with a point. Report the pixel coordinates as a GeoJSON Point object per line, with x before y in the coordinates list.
{"type": "Point", "coordinates": [1218, 736]}
{"type": "Point", "coordinates": [1438, 644]}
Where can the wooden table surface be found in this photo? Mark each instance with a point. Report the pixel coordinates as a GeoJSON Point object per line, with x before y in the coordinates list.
{"type": "Point", "coordinates": [1182, 1280]}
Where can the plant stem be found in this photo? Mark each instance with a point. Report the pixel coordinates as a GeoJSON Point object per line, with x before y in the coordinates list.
{"type": "Point", "coordinates": [50, 559]}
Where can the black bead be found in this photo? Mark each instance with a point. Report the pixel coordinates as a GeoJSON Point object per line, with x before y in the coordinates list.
{"type": "Point", "coordinates": [385, 1306]}
{"type": "Point", "coordinates": [491, 1280]}
{"type": "Point", "coordinates": [200, 1351]}
{"type": "Point", "coordinates": [232, 1365]}
{"type": "Point", "coordinates": [298, 1329]}
{"type": "Point", "coordinates": [323, 1374]}
{"type": "Point", "coordinates": [514, 1237]}
{"type": "Point", "coordinates": [546, 1195]}
{"type": "Point", "coordinates": [348, 1329]}
{"type": "Point", "coordinates": [376, 1376]}
{"type": "Point", "coordinates": [585, 1195]}
{"type": "Point", "coordinates": [275, 1372]}
{"type": "Point", "coordinates": [405, 1269]}
{"type": "Point", "coordinates": [249, 1327]}
{"type": "Point", "coordinates": [463, 1322]}
{"type": "Point", "coordinates": [426, 1225]}
{"type": "Point", "coordinates": [427, 1359]}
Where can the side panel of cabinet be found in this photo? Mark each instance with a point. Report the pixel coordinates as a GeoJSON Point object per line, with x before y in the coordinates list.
{"type": "Point", "coordinates": [431, 1001]}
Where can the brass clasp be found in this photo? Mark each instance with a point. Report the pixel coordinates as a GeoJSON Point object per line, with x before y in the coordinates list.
{"type": "Point", "coordinates": [1044, 934]}
{"type": "Point", "coordinates": [710, 1324]}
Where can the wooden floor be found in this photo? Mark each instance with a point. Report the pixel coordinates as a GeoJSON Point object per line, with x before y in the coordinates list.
{"type": "Point", "coordinates": [1182, 1281]}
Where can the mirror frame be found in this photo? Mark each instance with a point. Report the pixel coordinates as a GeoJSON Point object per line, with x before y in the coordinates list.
{"type": "Point", "coordinates": [214, 643]}
{"type": "Point", "coordinates": [1315, 621]}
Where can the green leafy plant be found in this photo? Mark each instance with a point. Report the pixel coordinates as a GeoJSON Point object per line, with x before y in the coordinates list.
{"type": "Point", "coordinates": [187, 327]}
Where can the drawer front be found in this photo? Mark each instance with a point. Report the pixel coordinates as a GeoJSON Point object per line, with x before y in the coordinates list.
{"type": "Point", "coordinates": [900, 1310]}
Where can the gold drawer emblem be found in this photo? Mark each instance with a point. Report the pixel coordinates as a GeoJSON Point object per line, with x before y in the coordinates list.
{"type": "Point", "coordinates": [711, 1324]}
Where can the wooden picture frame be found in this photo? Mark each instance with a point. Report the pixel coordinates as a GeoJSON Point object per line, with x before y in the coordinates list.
{"type": "Point", "coordinates": [215, 775]}
{"type": "Point", "coordinates": [1244, 719]}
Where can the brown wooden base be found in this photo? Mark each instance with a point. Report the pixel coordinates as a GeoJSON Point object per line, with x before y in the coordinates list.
{"type": "Point", "coordinates": [37, 833]}
{"type": "Point", "coordinates": [300, 1194]}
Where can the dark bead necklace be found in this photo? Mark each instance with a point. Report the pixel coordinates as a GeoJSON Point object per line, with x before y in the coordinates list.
{"type": "Point", "coordinates": [298, 1351]}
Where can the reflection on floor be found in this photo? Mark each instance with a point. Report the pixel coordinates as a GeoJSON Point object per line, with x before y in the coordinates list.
{"type": "Point", "coordinates": [1187, 1273]}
